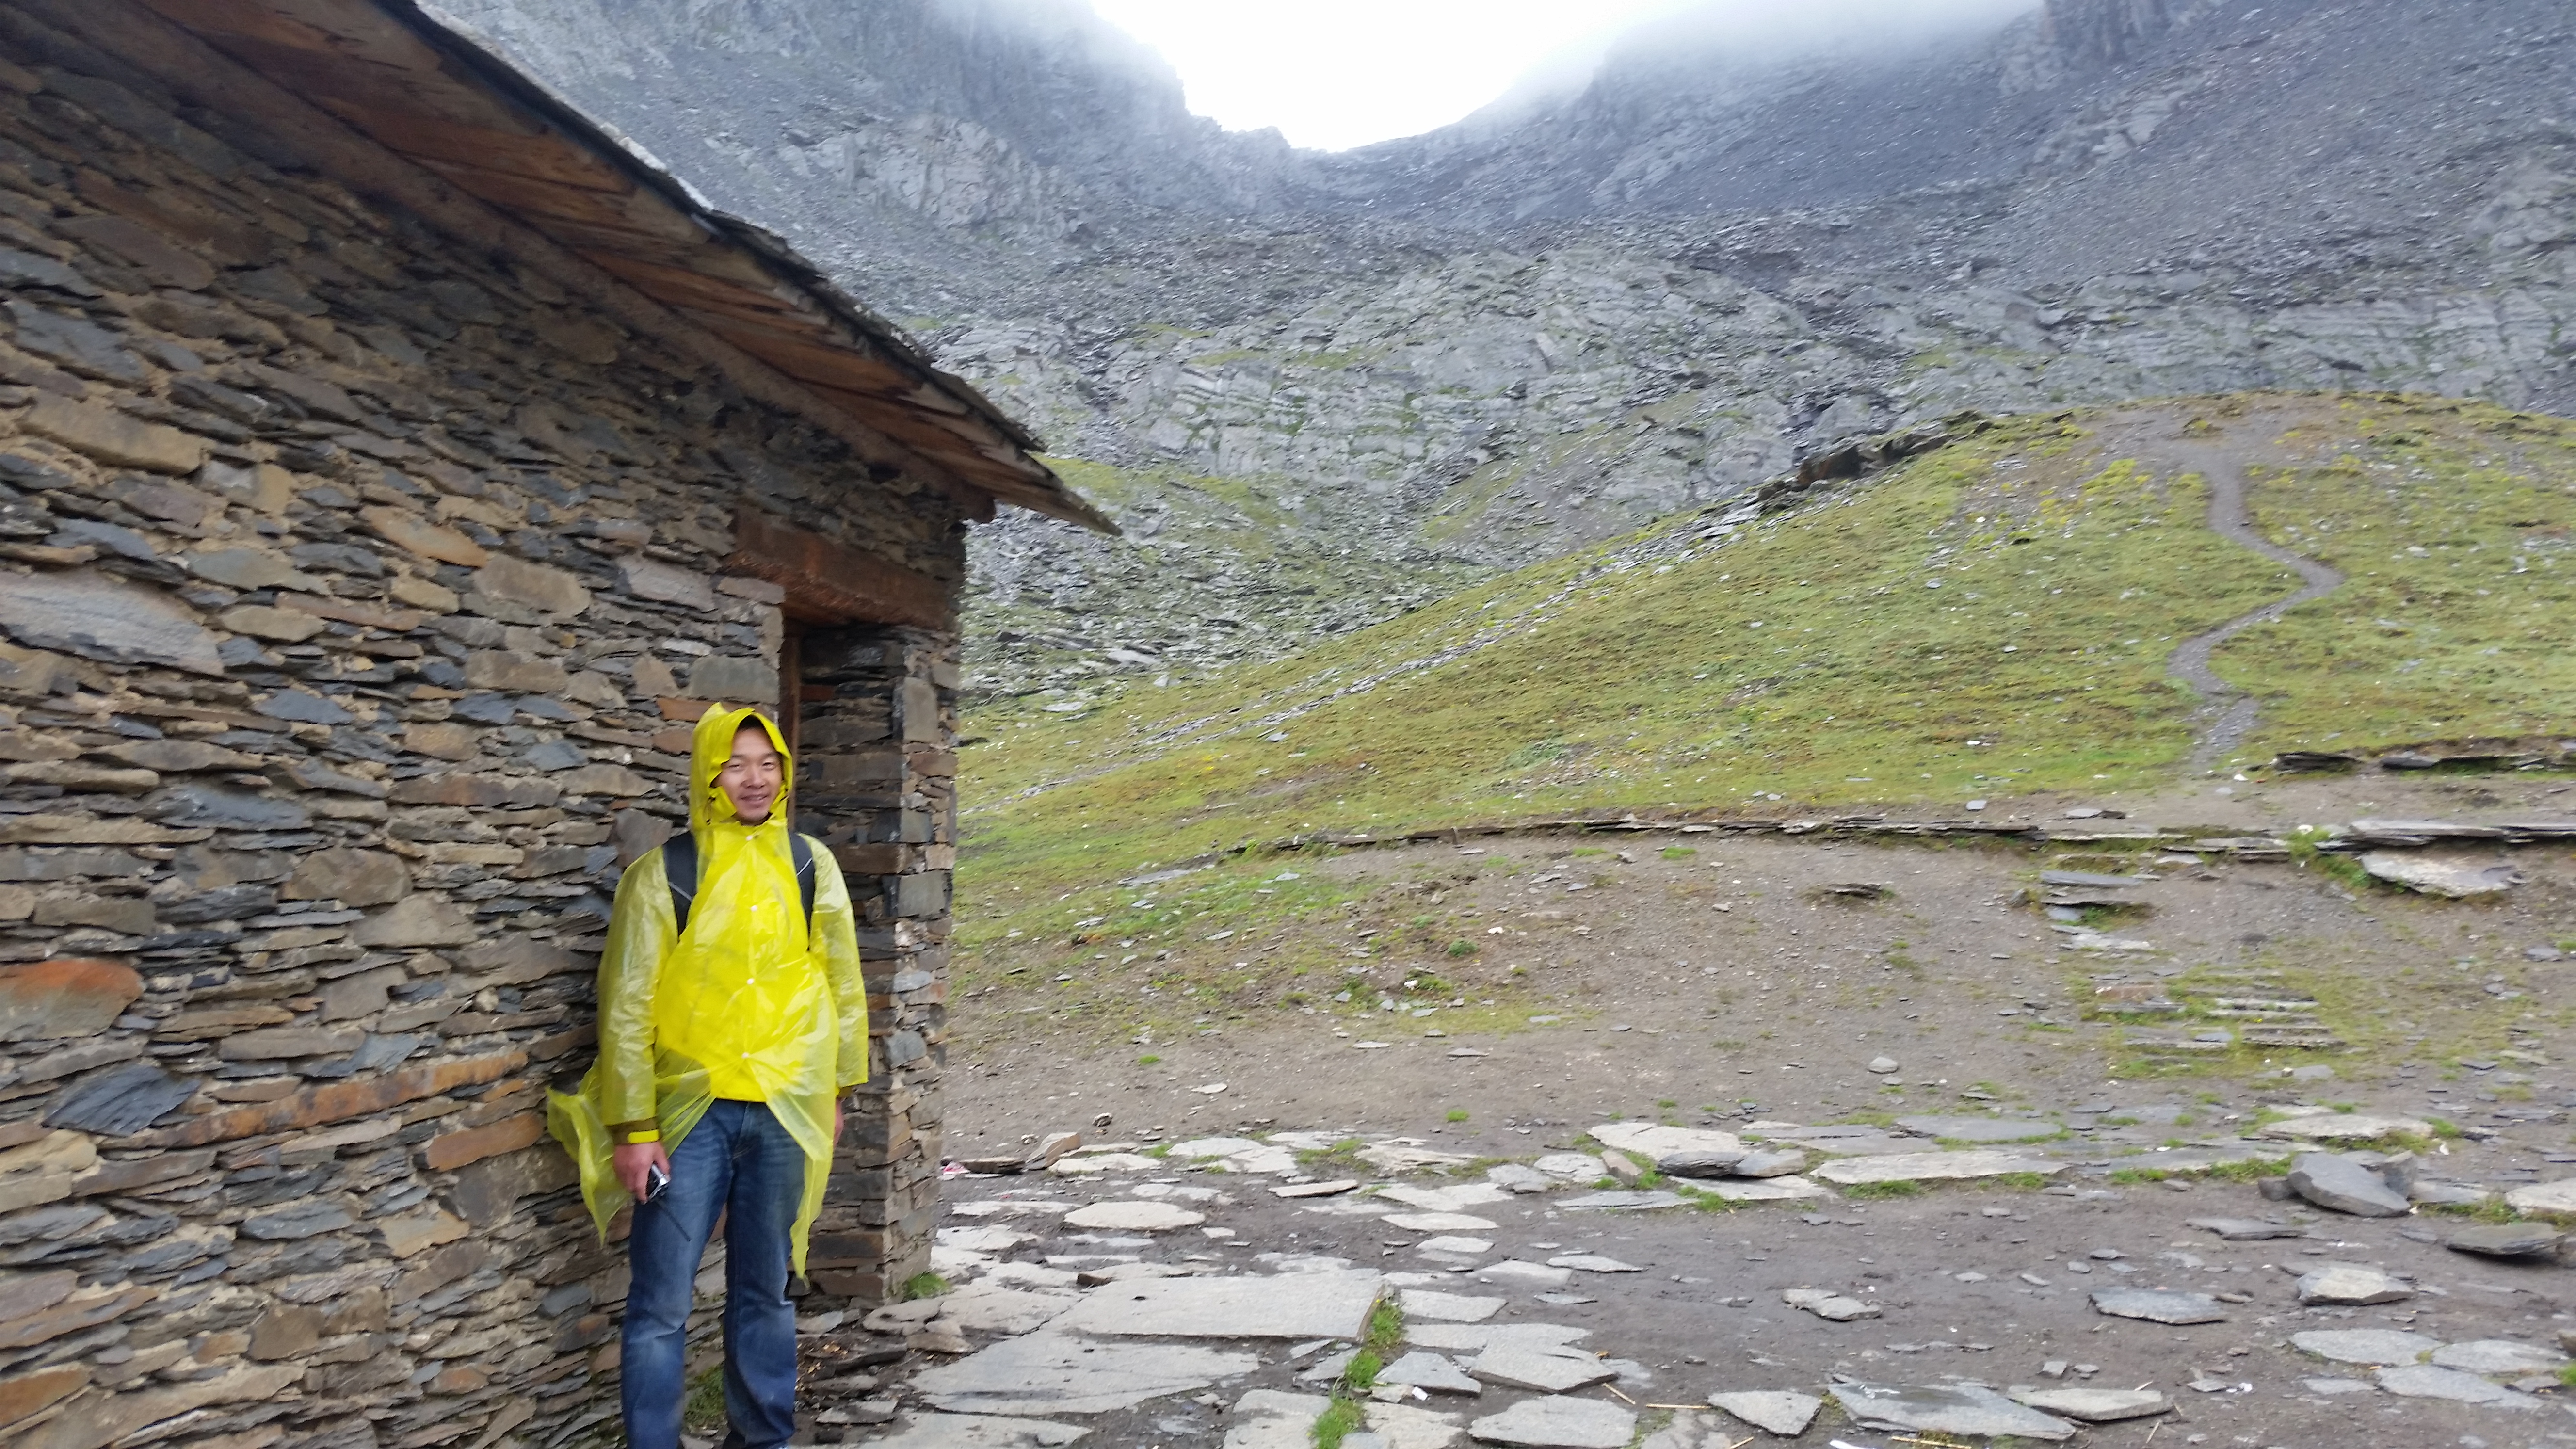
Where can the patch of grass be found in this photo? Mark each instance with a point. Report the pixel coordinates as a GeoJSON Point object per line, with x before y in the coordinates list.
{"type": "Point", "coordinates": [2020, 1181]}
{"type": "Point", "coordinates": [2493, 1210]}
{"type": "Point", "coordinates": [2137, 1176]}
{"type": "Point", "coordinates": [1340, 1417]}
{"type": "Point", "coordinates": [923, 1285]}
{"type": "Point", "coordinates": [1462, 948]}
{"type": "Point", "coordinates": [2304, 843]}
{"type": "Point", "coordinates": [702, 1411]}
{"type": "Point", "coordinates": [1678, 852]}
{"type": "Point", "coordinates": [1148, 1060]}
{"type": "Point", "coordinates": [1342, 1154]}
{"type": "Point", "coordinates": [1457, 1114]}
{"type": "Point", "coordinates": [1901, 1187]}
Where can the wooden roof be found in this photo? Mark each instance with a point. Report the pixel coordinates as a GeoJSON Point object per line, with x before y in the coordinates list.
{"type": "Point", "coordinates": [446, 100]}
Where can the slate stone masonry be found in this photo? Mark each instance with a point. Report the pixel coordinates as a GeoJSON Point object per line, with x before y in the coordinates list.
{"type": "Point", "coordinates": [359, 588]}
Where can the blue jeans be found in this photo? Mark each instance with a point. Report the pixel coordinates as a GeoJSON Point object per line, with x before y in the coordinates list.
{"type": "Point", "coordinates": [740, 1162]}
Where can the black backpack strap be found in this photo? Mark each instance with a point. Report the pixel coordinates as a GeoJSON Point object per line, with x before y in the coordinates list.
{"type": "Point", "coordinates": [680, 870]}
{"type": "Point", "coordinates": [803, 850]}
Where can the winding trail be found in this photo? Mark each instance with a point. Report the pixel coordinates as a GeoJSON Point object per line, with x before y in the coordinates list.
{"type": "Point", "coordinates": [2227, 714]}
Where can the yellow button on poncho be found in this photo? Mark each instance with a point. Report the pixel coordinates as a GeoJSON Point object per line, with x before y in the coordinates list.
{"type": "Point", "coordinates": [748, 1004]}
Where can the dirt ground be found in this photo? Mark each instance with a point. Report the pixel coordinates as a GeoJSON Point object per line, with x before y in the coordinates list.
{"type": "Point", "coordinates": [1781, 997]}
{"type": "Point", "coordinates": [1724, 987]}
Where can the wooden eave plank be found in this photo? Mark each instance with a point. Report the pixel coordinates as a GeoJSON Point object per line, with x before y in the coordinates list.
{"type": "Point", "coordinates": [316, 75]}
{"type": "Point", "coordinates": [682, 285]}
{"type": "Point", "coordinates": [549, 156]}
{"type": "Point", "coordinates": [246, 18]}
{"type": "Point", "coordinates": [539, 202]}
{"type": "Point", "coordinates": [840, 369]}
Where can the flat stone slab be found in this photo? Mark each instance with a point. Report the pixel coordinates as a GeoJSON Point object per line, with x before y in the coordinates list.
{"type": "Point", "coordinates": [1770, 1189]}
{"type": "Point", "coordinates": [1058, 1373]}
{"type": "Point", "coordinates": [991, 1308]}
{"type": "Point", "coordinates": [1960, 1409]}
{"type": "Point", "coordinates": [2423, 1381]}
{"type": "Point", "coordinates": [1527, 1275]}
{"type": "Point", "coordinates": [2544, 1197]}
{"type": "Point", "coordinates": [2365, 1345]}
{"type": "Point", "coordinates": [1623, 1202]}
{"type": "Point", "coordinates": [2458, 880]}
{"type": "Point", "coordinates": [1571, 1166]}
{"type": "Point", "coordinates": [1133, 1217]}
{"type": "Point", "coordinates": [1397, 1157]}
{"type": "Point", "coordinates": [1773, 1411]}
{"type": "Point", "coordinates": [2351, 1283]}
{"type": "Point", "coordinates": [1512, 1177]}
{"type": "Point", "coordinates": [1283, 1305]}
{"type": "Point", "coordinates": [1829, 1306]}
{"type": "Point", "coordinates": [1401, 1426]}
{"type": "Point", "coordinates": [2094, 1406]}
{"type": "Point", "coordinates": [1983, 1129]}
{"type": "Point", "coordinates": [1446, 1199]}
{"type": "Point", "coordinates": [1480, 1337]}
{"type": "Point", "coordinates": [1439, 1222]}
{"type": "Point", "coordinates": [1455, 1247]}
{"type": "Point", "coordinates": [2158, 1305]}
{"type": "Point", "coordinates": [1433, 1372]}
{"type": "Point", "coordinates": [1932, 1167]}
{"type": "Point", "coordinates": [1555, 1423]}
{"type": "Point", "coordinates": [1593, 1263]}
{"type": "Point", "coordinates": [1548, 1370]}
{"type": "Point", "coordinates": [974, 1431]}
{"type": "Point", "coordinates": [1654, 1141]}
{"type": "Point", "coordinates": [1843, 1141]}
{"type": "Point", "coordinates": [2342, 1185]}
{"type": "Point", "coordinates": [1334, 1188]}
{"type": "Point", "coordinates": [2331, 1387]}
{"type": "Point", "coordinates": [2507, 1240]}
{"type": "Point", "coordinates": [2346, 1127]}
{"type": "Point", "coordinates": [2498, 1356]}
{"type": "Point", "coordinates": [1449, 1307]}
{"type": "Point", "coordinates": [982, 1239]}
{"type": "Point", "coordinates": [1082, 1166]}
{"type": "Point", "coordinates": [2247, 1230]}
{"type": "Point", "coordinates": [1269, 1419]}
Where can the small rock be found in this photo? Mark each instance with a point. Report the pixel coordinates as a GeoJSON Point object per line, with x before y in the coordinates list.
{"type": "Point", "coordinates": [1774, 1411]}
{"type": "Point", "coordinates": [2247, 1230]}
{"type": "Point", "coordinates": [2507, 1240]}
{"type": "Point", "coordinates": [1696, 1164]}
{"type": "Point", "coordinates": [1133, 1217]}
{"type": "Point", "coordinates": [1593, 1263]}
{"type": "Point", "coordinates": [937, 1338]}
{"type": "Point", "coordinates": [1831, 1307]}
{"type": "Point", "coordinates": [1621, 1167]}
{"type": "Point", "coordinates": [1881, 1066]}
{"type": "Point", "coordinates": [2342, 1185]}
{"type": "Point", "coordinates": [1512, 1177]}
{"type": "Point", "coordinates": [2544, 1197]}
{"type": "Point", "coordinates": [2350, 1283]}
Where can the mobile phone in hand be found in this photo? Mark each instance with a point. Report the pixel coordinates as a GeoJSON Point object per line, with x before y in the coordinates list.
{"type": "Point", "coordinates": [656, 1181]}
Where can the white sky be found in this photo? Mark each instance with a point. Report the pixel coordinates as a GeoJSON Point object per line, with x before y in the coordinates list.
{"type": "Point", "coordinates": [1332, 74]}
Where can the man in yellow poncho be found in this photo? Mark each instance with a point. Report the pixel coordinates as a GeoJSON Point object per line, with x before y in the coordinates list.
{"type": "Point", "coordinates": [731, 1016]}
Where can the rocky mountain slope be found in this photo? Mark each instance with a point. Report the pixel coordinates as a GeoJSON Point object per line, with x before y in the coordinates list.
{"type": "Point", "coordinates": [1574, 313]}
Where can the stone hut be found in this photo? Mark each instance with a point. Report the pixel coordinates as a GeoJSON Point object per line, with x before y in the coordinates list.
{"type": "Point", "coordinates": [392, 462]}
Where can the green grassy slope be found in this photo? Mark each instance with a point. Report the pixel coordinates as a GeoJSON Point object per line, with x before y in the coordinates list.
{"type": "Point", "coordinates": [1989, 619]}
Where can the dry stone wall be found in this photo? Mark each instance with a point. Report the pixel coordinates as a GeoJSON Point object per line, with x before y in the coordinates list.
{"type": "Point", "coordinates": [357, 590]}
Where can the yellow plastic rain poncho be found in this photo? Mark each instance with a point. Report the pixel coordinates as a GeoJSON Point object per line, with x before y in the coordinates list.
{"type": "Point", "coordinates": [748, 1005]}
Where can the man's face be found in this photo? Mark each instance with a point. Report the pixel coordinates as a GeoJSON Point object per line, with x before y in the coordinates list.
{"type": "Point", "coordinates": [750, 778]}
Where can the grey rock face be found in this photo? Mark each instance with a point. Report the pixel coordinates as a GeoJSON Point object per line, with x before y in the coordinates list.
{"type": "Point", "coordinates": [2344, 1186]}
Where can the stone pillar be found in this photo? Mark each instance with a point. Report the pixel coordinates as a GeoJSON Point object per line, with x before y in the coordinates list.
{"type": "Point", "coordinates": [877, 781]}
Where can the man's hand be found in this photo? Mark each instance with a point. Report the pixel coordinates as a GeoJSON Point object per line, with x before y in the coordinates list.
{"type": "Point", "coordinates": [836, 1118]}
{"type": "Point", "coordinates": [634, 1160]}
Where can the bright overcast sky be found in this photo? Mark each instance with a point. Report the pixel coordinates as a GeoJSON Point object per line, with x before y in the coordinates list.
{"type": "Point", "coordinates": [1333, 74]}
